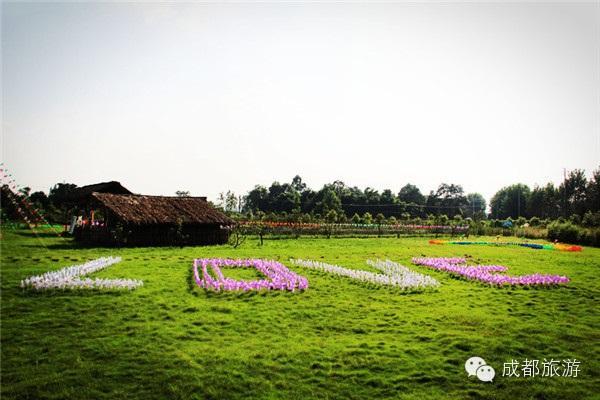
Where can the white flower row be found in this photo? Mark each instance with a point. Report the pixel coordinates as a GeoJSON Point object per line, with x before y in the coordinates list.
{"type": "Point", "coordinates": [402, 275]}
{"type": "Point", "coordinates": [393, 274]}
{"type": "Point", "coordinates": [70, 277]}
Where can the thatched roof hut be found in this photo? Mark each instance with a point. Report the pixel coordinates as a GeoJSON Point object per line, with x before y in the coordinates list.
{"type": "Point", "coordinates": [153, 220]}
{"type": "Point", "coordinates": [152, 210]}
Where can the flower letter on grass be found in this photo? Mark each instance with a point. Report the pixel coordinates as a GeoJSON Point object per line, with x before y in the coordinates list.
{"type": "Point", "coordinates": [393, 274]}
{"type": "Point", "coordinates": [488, 273]}
{"type": "Point", "coordinates": [70, 277]}
{"type": "Point", "coordinates": [279, 277]}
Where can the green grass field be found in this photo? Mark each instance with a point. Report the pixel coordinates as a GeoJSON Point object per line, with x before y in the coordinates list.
{"type": "Point", "coordinates": [339, 339]}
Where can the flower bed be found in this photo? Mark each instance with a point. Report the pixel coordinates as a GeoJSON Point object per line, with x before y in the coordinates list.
{"type": "Point", "coordinates": [393, 274]}
{"type": "Point", "coordinates": [254, 227]}
{"type": "Point", "coordinates": [488, 273]}
{"type": "Point", "coordinates": [278, 276]}
{"type": "Point", "coordinates": [70, 277]}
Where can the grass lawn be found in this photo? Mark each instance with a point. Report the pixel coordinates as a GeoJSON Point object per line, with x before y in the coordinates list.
{"type": "Point", "coordinates": [339, 339]}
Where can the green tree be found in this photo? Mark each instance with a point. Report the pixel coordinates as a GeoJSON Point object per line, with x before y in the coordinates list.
{"type": "Point", "coordinates": [298, 185]}
{"type": "Point", "coordinates": [387, 197]}
{"type": "Point", "coordinates": [40, 199]}
{"type": "Point", "coordinates": [257, 199]}
{"type": "Point", "coordinates": [593, 192]}
{"type": "Point", "coordinates": [475, 206]}
{"type": "Point", "coordinates": [572, 192]}
{"type": "Point", "coordinates": [372, 196]}
{"type": "Point", "coordinates": [330, 201]}
{"type": "Point", "coordinates": [331, 216]}
{"type": "Point", "coordinates": [544, 202]}
{"type": "Point", "coordinates": [411, 194]}
{"type": "Point", "coordinates": [510, 201]}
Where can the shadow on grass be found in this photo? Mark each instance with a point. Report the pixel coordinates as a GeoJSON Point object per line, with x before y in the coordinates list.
{"type": "Point", "coordinates": [191, 282]}
{"type": "Point", "coordinates": [33, 234]}
{"type": "Point", "coordinates": [32, 293]}
{"type": "Point", "coordinates": [70, 245]}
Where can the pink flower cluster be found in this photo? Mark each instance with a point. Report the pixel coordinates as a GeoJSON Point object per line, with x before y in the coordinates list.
{"type": "Point", "coordinates": [487, 273]}
{"type": "Point", "coordinates": [278, 276]}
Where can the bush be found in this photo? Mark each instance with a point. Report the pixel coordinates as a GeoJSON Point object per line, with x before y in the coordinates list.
{"type": "Point", "coordinates": [591, 219]}
{"type": "Point", "coordinates": [534, 221]}
{"type": "Point", "coordinates": [565, 232]}
{"type": "Point", "coordinates": [591, 237]}
{"type": "Point", "coordinates": [367, 218]}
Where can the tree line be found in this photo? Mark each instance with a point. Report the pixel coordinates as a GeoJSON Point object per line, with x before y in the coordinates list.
{"type": "Point", "coordinates": [576, 199]}
{"type": "Point", "coordinates": [343, 201]}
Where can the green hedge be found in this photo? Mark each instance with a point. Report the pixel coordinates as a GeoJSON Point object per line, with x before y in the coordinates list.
{"type": "Point", "coordinates": [567, 232]}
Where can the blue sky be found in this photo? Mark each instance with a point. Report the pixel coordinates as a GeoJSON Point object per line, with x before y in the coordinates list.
{"type": "Point", "coordinates": [209, 97]}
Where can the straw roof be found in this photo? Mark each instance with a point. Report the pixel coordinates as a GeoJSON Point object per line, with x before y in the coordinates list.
{"type": "Point", "coordinates": [151, 210]}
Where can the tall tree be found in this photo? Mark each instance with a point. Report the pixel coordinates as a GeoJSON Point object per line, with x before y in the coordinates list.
{"type": "Point", "coordinates": [59, 193]}
{"type": "Point", "coordinates": [510, 201]}
{"type": "Point", "coordinates": [544, 202]}
{"type": "Point", "coordinates": [257, 199]}
{"type": "Point", "coordinates": [387, 197]}
{"type": "Point", "coordinates": [450, 199]}
{"type": "Point", "coordinates": [328, 200]}
{"type": "Point", "coordinates": [573, 193]}
{"type": "Point", "coordinates": [411, 194]}
{"type": "Point", "coordinates": [593, 192]}
{"type": "Point", "coordinates": [372, 196]}
{"type": "Point", "coordinates": [298, 184]}
{"type": "Point", "coordinates": [283, 198]}
{"type": "Point", "coordinates": [475, 206]}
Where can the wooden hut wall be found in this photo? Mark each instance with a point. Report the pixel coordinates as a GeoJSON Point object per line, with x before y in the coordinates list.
{"type": "Point", "coordinates": [155, 235]}
{"type": "Point", "coordinates": [165, 235]}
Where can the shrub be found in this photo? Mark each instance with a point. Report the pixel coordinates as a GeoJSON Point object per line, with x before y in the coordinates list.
{"type": "Point", "coordinates": [534, 221]}
{"type": "Point", "coordinates": [564, 232]}
{"type": "Point", "coordinates": [576, 219]}
{"type": "Point", "coordinates": [591, 219]}
{"type": "Point", "coordinates": [367, 218]}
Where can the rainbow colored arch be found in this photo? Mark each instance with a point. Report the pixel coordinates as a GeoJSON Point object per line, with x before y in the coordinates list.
{"type": "Point", "coordinates": [537, 246]}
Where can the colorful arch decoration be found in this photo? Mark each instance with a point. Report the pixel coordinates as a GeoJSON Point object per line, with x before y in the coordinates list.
{"type": "Point", "coordinates": [536, 246]}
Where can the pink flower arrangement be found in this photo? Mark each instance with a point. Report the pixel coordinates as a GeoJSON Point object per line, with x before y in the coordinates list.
{"type": "Point", "coordinates": [488, 273]}
{"type": "Point", "coordinates": [278, 276]}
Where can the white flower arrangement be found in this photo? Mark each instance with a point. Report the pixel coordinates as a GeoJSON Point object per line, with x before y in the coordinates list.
{"type": "Point", "coordinates": [393, 274]}
{"type": "Point", "coordinates": [71, 277]}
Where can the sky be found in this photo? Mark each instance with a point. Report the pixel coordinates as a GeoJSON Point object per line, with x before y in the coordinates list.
{"type": "Point", "coordinates": [210, 97]}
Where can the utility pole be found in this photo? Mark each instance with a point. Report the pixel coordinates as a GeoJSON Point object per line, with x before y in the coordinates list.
{"type": "Point", "coordinates": [565, 192]}
{"type": "Point", "coordinates": [519, 202]}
